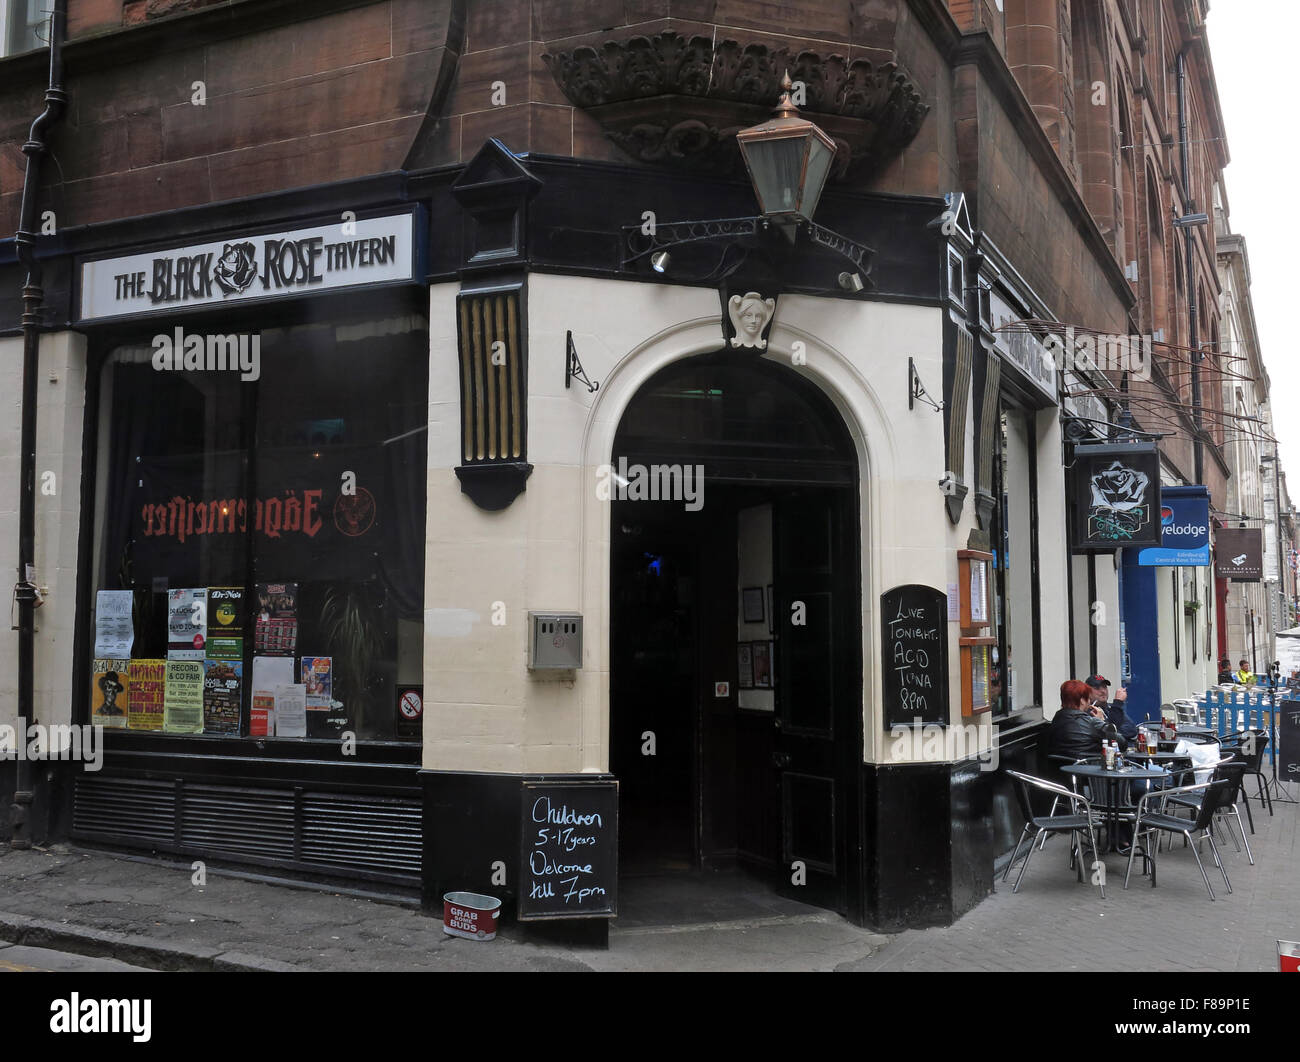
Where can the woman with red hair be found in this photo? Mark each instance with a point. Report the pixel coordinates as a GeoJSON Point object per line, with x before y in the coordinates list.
{"type": "Point", "coordinates": [1078, 729]}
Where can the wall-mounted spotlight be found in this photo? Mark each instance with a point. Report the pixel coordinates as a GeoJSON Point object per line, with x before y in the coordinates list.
{"type": "Point", "coordinates": [659, 261]}
{"type": "Point", "coordinates": [1188, 220]}
{"type": "Point", "coordinates": [851, 282]}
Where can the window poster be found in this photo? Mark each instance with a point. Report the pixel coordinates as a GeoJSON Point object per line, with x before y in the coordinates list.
{"type": "Point", "coordinates": [110, 683]}
{"type": "Point", "coordinates": [114, 629]}
{"type": "Point", "coordinates": [183, 697]}
{"type": "Point", "coordinates": [262, 718]}
{"type": "Point", "coordinates": [270, 672]}
{"type": "Point", "coordinates": [226, 620]}
{"type": "Point", "coordinates": [276, 632]}
{"type": "Point", "coordinates": [291, 710]}
{"type": "Point", "coordinates": [223, 687]}
{"type": "Point", "coordinates": [187, 624]}
{"type": "Point", "coordinates": [318, 679]}
{"type": "Point", "coordinates": [148, 693]}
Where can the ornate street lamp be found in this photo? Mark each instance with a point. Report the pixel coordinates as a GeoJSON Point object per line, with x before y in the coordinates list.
{"type": "Point", "coordinates": [788, 159]}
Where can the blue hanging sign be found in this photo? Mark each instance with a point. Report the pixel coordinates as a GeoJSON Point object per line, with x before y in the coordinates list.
{"type": "Point", "coordinates": [1184, 530]}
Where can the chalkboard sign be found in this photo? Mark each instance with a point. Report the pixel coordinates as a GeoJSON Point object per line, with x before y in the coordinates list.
{"type": "Point", "coordinates": [914, 648]}
{"type": "Point", "coordinates": [569, 851]}
{"type": "Point", "coordinates": [1288, 741]}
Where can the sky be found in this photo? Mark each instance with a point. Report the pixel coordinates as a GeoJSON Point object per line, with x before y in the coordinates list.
{"type": "Point", "coordinates": [1254, 57]}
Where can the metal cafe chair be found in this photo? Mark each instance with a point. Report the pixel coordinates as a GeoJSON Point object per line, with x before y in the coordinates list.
{"type": "Point", "coordinates": [1238, 745]}
{"type": "Point", "coordinates": [1068, 761]}
{"type": "Point", "coordinates": [1157, 820]}
{"type": "Point", "coordinates": [1233, 771]}
{"type": "Point", "coordinates": [1074, 823]}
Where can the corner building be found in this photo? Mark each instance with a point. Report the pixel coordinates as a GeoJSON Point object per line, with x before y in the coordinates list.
{"type": "Point", "coordinates": [461, 201]}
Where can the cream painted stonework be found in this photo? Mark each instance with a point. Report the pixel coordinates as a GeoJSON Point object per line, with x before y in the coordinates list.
{"type": "Point", "coordinates": [484, 711]}
{"type": "Point", "coordinates": [60, 408]}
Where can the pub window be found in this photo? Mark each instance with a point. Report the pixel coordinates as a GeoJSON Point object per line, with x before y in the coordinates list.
{"type": "Point", "coordinates": [23, 25]}
{"type": "Point", "coordinates": [269, 530]}
{"type": "Point", "coordinates": [1016, 606]}
{"type": "Point", "coordinates": [956, 282]}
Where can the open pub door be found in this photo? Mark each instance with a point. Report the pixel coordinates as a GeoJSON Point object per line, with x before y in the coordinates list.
{"type": "Point", "coordinates": [818, 719]}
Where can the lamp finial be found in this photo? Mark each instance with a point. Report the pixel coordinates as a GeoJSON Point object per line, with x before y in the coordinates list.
{"type": "Point", "coordinates": [785, 107]}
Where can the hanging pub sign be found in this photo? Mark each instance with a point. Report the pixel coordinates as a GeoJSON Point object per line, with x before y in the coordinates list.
{"type": "Point", "coordinates": [1239, 554]}
{"type": "Point", "coordinates": [1184, 530]}
{"type": "Point", "coordinates": [1116, 497]}
{"type": "Point", "coordinates": [352, 252]}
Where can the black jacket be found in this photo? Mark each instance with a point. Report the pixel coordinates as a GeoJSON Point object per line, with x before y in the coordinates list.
{"type": "Point", "coordinates": [1124, 726]}
{"type": "Point", "coordinates": [1076, 734]}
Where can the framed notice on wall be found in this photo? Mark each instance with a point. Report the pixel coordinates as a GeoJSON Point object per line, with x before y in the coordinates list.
{"type": "Point", "coordinates": [977, 691]}
{"type": "Point", "coordinates": [974, 572]}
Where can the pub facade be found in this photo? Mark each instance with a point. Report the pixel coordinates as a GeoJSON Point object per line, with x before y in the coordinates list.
{"type": "Point", "coordinates": [456, 439]}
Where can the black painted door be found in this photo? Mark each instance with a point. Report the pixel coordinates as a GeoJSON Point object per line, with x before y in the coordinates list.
{"type": "Point", "coordinates": [818, 738]}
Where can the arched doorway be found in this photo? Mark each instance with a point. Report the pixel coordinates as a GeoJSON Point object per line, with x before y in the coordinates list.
{"type": "Point", "coordinates": [735, 629]}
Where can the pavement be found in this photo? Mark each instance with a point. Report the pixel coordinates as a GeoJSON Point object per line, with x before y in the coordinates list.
{"type": "Point", "coordinates": [147, 913]}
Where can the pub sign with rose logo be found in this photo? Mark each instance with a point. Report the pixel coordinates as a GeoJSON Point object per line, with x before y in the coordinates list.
{"type": "Point", "coordinates": [1116, 492]}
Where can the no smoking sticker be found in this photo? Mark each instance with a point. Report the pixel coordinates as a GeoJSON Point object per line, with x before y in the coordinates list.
{"type": "Point", "coordinates": [411, 706]}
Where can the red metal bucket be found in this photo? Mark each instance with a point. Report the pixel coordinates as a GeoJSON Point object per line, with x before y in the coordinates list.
{"type": "Point", "coordinates": [470, 915]}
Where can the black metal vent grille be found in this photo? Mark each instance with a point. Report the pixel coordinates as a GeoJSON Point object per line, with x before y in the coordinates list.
{"type": "Point", "coordinates": [344, 831]}
{"type": "Point", "coordinates": [126, 808]}
{"type": "Point", "coordinates": [238, 821]}
{"type": "Point", "coordinates": [342, 835]}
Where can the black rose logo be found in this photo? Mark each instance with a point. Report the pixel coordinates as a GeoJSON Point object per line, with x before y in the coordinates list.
{"type": "Point", "coordinates": [1119, 487]}
{"type": "Point", "coordinates": [235, 268]}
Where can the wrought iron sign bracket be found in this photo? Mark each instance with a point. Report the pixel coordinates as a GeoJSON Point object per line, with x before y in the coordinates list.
{"type": "Point", "coordinates": [573, 369]}
{"type": "Point", "coordinates": [916, 390]}
{"type": "Point", "coordinates": [651, 240]}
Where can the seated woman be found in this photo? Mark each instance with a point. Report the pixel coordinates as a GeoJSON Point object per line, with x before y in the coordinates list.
{"type": "Point", "coordinates": [1080, 727]}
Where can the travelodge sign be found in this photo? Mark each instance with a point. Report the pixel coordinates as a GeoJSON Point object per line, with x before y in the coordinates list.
{"type": "Point", "coordinates": [1185, 530]}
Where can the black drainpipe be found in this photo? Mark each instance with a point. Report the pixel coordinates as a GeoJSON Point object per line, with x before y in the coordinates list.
{"type": "Point", "coordinates": [33, 295]}
{"type": "Point", "coordinates": [1189, 248]}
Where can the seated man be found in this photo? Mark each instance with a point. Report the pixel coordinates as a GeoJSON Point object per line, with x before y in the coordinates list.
{"type": "Point", "coordinates": [1244, 676]}
{"type": "Point", "coordinates": [1115, 714]}
{"type": "Point", "coordinates": [1225, 672]}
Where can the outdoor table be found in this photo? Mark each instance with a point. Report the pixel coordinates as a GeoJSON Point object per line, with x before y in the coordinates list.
{"type": "Point", "coordinates": [1194, 730]}
{"type": "Point", "coordinates": [1161, 757]}
{"type": "Point", "coordinates": [1112, 780]}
